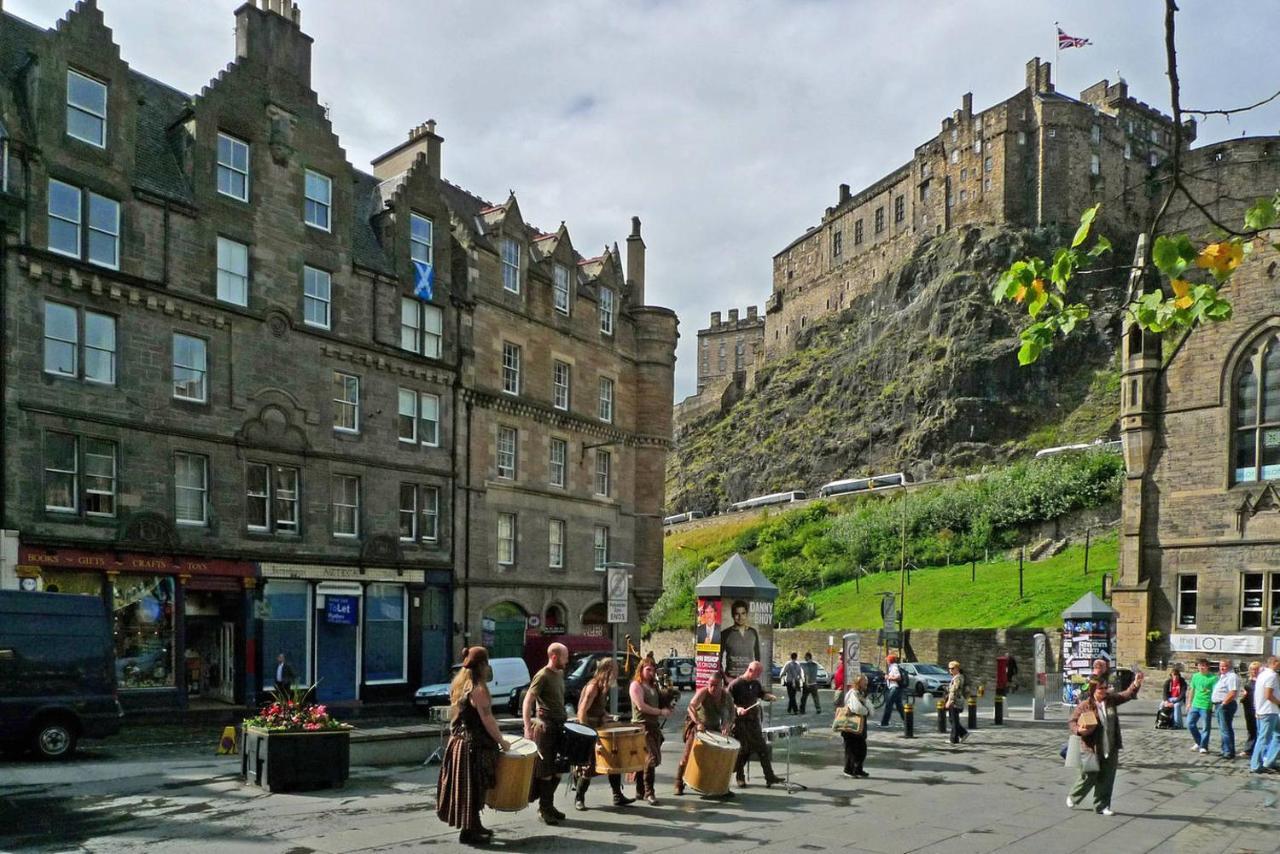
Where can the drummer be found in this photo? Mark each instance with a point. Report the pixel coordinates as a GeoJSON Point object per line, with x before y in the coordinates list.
{"type": "Point", "coordinates": [546, 696]}
{"type": "Point", "coordinates": [710, 710]}
{"type": "Point", "coordinates": [468, 770]}
{"type": "Point", "coordinates": [747, 694]}
{"type": "Point", "coordinates": [593, 707]}
{"type": "Point", "coordinates": [645, 710]}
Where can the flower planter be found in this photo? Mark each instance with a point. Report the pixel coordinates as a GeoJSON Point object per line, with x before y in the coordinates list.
{"type": "Point", "coordinates": [295, 761]}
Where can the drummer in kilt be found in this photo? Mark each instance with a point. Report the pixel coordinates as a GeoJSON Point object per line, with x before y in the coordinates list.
{"type": "Point", "coordinates": [710, 710]}
{"type": "Point", "coordinates": [593, 711]}
{"type": "Point", "coordinates": [647, 711]}
{"type": "Point", "coordinates": [748, 693]}
{"type": "Point", "coordinates": [471, 756]}
{"type": "Point", "coordinates": [546, 697]}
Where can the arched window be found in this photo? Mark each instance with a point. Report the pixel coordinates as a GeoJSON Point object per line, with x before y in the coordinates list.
{"type": "Point", "coordinates": [1257, 414]}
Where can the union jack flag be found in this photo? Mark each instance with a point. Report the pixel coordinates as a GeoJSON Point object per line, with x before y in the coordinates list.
{"type": "Point", "coordinates": [1065, 41]}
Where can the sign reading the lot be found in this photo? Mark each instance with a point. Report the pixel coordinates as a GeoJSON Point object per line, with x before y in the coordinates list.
{"type": "Point", "coordinates": [1242, 644]}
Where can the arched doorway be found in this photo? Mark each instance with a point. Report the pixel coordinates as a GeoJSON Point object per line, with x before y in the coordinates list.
{"type": "Point", "coordinates": [502, 629]}
{"type": "Point", "coordinates": [595, 621]}
{"type": "Point", "coordinates": [553, 620]}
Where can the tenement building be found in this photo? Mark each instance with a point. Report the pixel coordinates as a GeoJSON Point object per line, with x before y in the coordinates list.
{"type": "Point", "coordinates": [262, 402]}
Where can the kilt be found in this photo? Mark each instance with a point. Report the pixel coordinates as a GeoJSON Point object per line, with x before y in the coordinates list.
{"type": "Point", "coordinates": [547, 735]}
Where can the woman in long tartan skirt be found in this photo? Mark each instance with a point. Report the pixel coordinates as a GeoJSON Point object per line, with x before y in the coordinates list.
{"type": "Point", "coordinates": [471, 757]}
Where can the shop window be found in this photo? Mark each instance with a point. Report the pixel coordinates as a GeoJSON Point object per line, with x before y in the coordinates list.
{"type": "Point", "coordinates": [386, 636]}
{"type": "Point", "coordinates": [142, 628]}
{"type": "Point", "coordinates": [71, 582]}
{"type": "Point", "coordinates": [286, 629]}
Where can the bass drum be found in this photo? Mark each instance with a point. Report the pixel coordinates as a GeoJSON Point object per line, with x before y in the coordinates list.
{"type": "Point", "coordinates": [510, 793]}
{"type": "Point", "coordinates": [578, 746]}
{"type": "Point", "coordinates": [711, 763]}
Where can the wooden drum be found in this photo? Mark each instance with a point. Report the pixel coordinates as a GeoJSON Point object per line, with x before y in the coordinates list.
{"type": "Point", "coordinates": [515, 776]}
{"type": "Point", "coordinates": [711, 763]}
{"type": "Point", "coordinates": [620, 750]}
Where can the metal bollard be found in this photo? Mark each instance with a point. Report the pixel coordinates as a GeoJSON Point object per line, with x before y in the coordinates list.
{"type": "Point", "coordinates": [972, 703]}
{"type": "Point", "coordinates": [908, 720]}
{"type": "Point", "coordinates": [942, 717]}
{"type": "Point", "coordinates": [999, 721]}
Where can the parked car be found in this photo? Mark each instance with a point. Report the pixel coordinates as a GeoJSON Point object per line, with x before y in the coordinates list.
{"type": "Point", "coordinates": [57, 672]}
{"type": "Point", "coordinates": [824, 678]}
{"type": "Point", "coordinates": [926, 679]}
{"type": "Point", "coordinates": [682, 671]}
{"type": "Point", "coordinates": [582, 666]}
{"type": "Point", "coordinates": [876, 681]}
{"type": "Point", "coordinates": [510, 681]}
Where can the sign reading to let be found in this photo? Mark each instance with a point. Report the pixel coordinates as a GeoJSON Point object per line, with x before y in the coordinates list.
{"type": "Point", "coordinates": [340, 610]}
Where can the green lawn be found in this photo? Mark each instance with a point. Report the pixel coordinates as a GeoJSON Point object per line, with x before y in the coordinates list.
{"type": "Point", "coordinates": [944, 597]}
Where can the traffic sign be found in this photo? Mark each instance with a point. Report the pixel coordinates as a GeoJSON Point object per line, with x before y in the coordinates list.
{"type": "Point", "coordinates": [617, 584]}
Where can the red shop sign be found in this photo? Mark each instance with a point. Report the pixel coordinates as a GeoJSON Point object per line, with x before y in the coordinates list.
{"type": "Point", "coordinates": [133, 562]}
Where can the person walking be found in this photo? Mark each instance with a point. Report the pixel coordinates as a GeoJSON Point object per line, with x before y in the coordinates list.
{"type": "Point", "coordinates": [284, 677]}
{"type": "Point", "coordinates": [895, 681]}
{"type": "Point", "coordinates": [809, 682]}
{"type": "Point", "coordinates": [1199, 705]}
{"type": "Point", "coordinates": [790, 677]}
{"type": "Point", "coordinates": [1226, 692]}
{"type": "Point", "coordinates": [544, 719]}
{"type": "Point", "coordinates": [1246, 706]}
{"type": "Point", "coordinates": [1175, 694]}
{"type": "Point", "coordinates": [748, 694]}
{"type": "Point", "coordinates": [1266, 706]}
{"type": "Point", "coordinates": [647, 711]}
{"type": "Point", "coordinates": [855, 743]}
{"type": "Point", "coordinates": [469, 768]}
{"type": "Point", "coordinates": [1097, 722]}
{"type": "Point", "coordinates": [956, 693]}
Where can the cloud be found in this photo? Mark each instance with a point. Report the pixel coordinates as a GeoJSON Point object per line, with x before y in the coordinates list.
{"type": "Point", "coordinates": [726, 125]}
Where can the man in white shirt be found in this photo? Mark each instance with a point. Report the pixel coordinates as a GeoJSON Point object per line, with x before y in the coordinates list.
{"type": "Point", "coordinates": [1225, 692]}
{"type": "Point", "coordinates": [895, 682]}
{"type": "Point", "coordinates": [790, 677]}
{"type": "Point", "coordinates": [1266, 706]}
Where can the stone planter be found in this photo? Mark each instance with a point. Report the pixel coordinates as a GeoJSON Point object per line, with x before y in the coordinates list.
{"type": "Point", "coordinates": [295, 761]}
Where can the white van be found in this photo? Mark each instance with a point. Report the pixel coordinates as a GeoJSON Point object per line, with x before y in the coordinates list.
{"type": "Point", "coordinates": [510, 680]}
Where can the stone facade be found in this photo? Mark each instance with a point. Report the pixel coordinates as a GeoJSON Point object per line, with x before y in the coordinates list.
{"type": "Point", "coordinates": [223, 376]}
{"type": "Point", "coordinates": [728, 347]}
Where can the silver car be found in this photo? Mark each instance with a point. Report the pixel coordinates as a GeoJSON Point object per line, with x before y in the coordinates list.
{"type": "Point", "coordinates": [926, 679]}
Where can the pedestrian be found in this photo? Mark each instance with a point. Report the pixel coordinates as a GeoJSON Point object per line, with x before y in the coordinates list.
{"type": "Point", "coordinates": [855, 743]}
{"type": "Point", "coordinates": [809, 682]}
{"type": "Point", "coordinates": [593, 711]}
{"type": "Point", "coordinates": [1011, 673]}
{"type": "Point", "coordinates": [710, 710]}
{"type": "Point", "coordinates": [1097, 722]}
{"type": "Point", "coordinates": [956, 693]}
{"type": "Point", "coordinates": [748, 694]}
{"type": "Point", "coordinates": [544, 720]}
{"type": "Point", "coordinates": [469, 768]}
{"type": "Point", "coordinates": [895, 682]}
{"type": "Point", "coordinates": [1175, 694]}
{"type": "Point", "coordinates": [646, 711]}
{"type": "Point", "coordinates": [1266, 706]}
{"type": "Point", "coordinates": [790, 676]}
{"type": "Point", "coordinates": [284, 677]}
{"type": "Point", "coordinates": [1246, 706]}
{"type": "Point", "coordinates": [1226, 692]}
{"type": "Point", "coordinates": [1199, 705]}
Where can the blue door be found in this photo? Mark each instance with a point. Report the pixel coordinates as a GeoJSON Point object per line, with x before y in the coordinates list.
{"type": "Point", "coordinates": [337, 631]}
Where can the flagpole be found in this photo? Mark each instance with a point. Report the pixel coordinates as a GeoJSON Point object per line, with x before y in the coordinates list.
{"type": "Point", "coordinates": [1057, 46]}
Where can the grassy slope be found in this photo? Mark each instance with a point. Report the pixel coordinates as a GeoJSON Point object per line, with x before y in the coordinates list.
{"type": "Point", "coordinates": [944, 597]}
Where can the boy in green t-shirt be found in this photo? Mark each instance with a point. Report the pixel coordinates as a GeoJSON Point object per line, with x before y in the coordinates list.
{"type": "Point", "coordinates": [1200, 704]}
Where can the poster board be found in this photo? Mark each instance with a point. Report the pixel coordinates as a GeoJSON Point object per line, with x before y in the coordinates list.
{"type": "Point", "coordinates": [1083, 640]}
{"type": "Point", "coordinates": [707, 640]}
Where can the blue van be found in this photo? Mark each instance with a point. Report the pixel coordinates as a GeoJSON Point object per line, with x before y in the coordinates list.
{"type": "Point", "coordinates": [57, 672]}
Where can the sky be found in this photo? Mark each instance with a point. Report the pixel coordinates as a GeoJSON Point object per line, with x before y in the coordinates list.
{"type": "Point", "coordinates": [725, 125]}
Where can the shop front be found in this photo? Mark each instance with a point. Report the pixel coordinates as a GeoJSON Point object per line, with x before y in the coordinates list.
{"type": "Point", "coordinates": [178, 623]}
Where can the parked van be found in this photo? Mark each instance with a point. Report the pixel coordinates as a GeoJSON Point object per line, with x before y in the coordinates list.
{"type": "Point", "coordinates": [57, 672]}
{"type": "Point", "coordinates": [510, 680]}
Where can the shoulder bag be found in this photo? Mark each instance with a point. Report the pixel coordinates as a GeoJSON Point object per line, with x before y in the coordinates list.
{"type": "Point", "coordinates": [846, 721]}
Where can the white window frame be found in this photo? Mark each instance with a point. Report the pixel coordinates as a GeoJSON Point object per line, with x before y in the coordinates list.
{"type": "Point", "coordinates": [604, 470]}
{"type": "Point", "coordinates": [423, 324]}
{"type": "Point", "coordinates": [76, 223]}
{"type": "Point", "coordinates": [605, 408]}
{"type": "Point", "coordinates": [407, 408]}
{"type": "Point", "coordinates": [88, 109]}
{"type": "Point", "coordinates": [508, 452]}
{"type": "Point", "coordinates": [317, 297]}
{"type": "Point", "coordinates": [511, 522]}
{"type": "Point", "coordinates": [338, 486]}
{"type": "Point", "coordinates": [229, 279]}
{"type": "Point", "coordinates": [272, 496]}
{"type": "Point", "coordinates": [113, 492]}
{"type": "Point", "coordinates": [86, 317]}
{"type": "Point", "coordinates": [73, 472]}
{"type": "Point", "coordinates": [229, 167]}
{"type": "Point", "coordinates": [201, 370]}
{"type": "Point", "coordinates": [347, 403]}
{"type": "Point", "coordinates": [555, 543]}
{"type": "Point", "coordinates": [73, 343]}
{"type": "Point", "coordinates": [421, 249]}
{"type": "Point", "coordinates": [426, 401]}
{"type": "Point", "coordinates": [561, 381]}
{"type": "Point", "coordinates": [198, 464]}
{"type": "Point", "coordinates": [510, 257]}
{"type": "Point", "coordinates": [561, 465]}
{"type": "Point", "coordinates": [112, 231]}
{"type": "Point", "coordinates": [409, 490]}
{"type": "Point", "coordinates": [430, 509]}
{"type": "Point", "coordinates": [600, 547]}
{"type": "Point", "coordinates": [606, 311]}
{"type": "Point", "coordinates": [511, 357]}
{"type": "Point", "coordinates": [325, 204]}
{"type": "Point", "coordinates": [1261, 608]}
{"type": "Point", "coordinates": [562, 298]}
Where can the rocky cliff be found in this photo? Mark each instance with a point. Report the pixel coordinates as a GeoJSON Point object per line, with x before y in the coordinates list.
{"type": "Point", "coordinates": [927, 383]}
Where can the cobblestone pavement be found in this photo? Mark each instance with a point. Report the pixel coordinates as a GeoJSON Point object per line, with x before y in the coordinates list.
{"type": "Point", "coordinates": [1003, 790]}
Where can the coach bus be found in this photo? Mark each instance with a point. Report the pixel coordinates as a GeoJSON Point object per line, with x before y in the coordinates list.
{"type": "Point", "coordinates": [1112, 447]}
{"type": "Point", "coordinates": [766, 500]}
{"type": "Point", "coordinates": [687, 516]}
{"type": "Point", "coordinates": [863, 484]}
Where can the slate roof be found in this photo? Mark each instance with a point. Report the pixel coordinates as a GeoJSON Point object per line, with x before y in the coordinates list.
{"type": "Point", "coordinates": [156, 168]}
{"type": "Point", "coordinates": [1088, 606]}
{"type": "Point", "coordinates": [737, 577]}
{"type": "Point", "coordinates": [368, 201]}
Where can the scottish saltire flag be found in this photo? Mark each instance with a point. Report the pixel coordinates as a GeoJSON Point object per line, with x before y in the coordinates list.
{"type": "Point", "coordinates": [424, 280]}
{"type": "Point", "coordinates": [1065, 41]}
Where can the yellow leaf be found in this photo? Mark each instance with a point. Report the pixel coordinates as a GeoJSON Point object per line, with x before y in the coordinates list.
{"type": "Point", "coordinates": [1221, 258]}
{"type": "Point", "coordinates": [1020, 294]}
{"type": "Point", "coordinates": [1183, 302]}
{"type": "Point", "coordinates": [1038, 286]}
{"type": "Point", "coordinates": [1181, 288]}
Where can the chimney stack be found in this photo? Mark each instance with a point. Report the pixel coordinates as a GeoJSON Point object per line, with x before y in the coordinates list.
{"type": "Point", "coordinates": [733, 316]}
{"type": "Point", "coordinates": [751, 312]}
{"type": "Point", "coordinates": [966, 105]}
{"type": "Point", "coordinates": [635, 262]}
{"type": "Point", "coordinates": [1039, 78]}
{"type": "Point", "coordinates": [845, 195]}
{"type": "Point", "coordinates": [715, 318]}
{"type": "Point", "coordinates": [269, 32]}
{"type": "Point", "coordinates": [423, 140]}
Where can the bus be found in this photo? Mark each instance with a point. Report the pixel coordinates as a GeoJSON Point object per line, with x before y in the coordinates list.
{"type": "Point", "coordinates": [687, 516]}
{"type": "Point", "coordinates": [1112, 447]}
{"type": "Point", "coordinates": [863, 484]}
{"type": "Point", "coordinates": [766, 500]}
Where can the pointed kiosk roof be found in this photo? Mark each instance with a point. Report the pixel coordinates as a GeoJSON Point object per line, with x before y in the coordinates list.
{"type": "Point", "coordinates": [1088, 606]}
{"type": "Point", "coordinates": [736, 577]}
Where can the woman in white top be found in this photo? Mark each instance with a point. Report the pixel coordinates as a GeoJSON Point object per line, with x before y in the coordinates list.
{"type": "Point", "coordinates": [855, 744]}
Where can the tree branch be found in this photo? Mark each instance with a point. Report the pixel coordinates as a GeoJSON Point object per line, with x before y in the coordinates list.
{"type": "Point", "coordinates": [1232, 112]}
{"type": "Point", "coordinates": [1175, 101]}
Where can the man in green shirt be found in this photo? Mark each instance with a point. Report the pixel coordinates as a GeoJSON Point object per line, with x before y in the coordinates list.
{"type": "Point", "coordinates": [1200, 705]}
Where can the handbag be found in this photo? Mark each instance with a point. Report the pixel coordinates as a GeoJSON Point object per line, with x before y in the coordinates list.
{"type": "Point", "coordinates": [846, 721]}
{"type": "Point", "coordinates": [1089, 762]}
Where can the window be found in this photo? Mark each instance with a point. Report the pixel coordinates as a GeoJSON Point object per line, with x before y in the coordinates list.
{"type": "Point", "coordinates": [1022, 137]}
{"type": "Point", "coordinates": [510, 368]}
{"type": "Point", "coordinates": [604, 462]}
{"type": "Point", "coordinates": [319, 191]}
{"type": "Point", "coordinates": [1155, 135]}
{"type": "Point", "coordinates": [562, 288]}
{"type": "Point", "coordinates": [190, 366]}
{"type": "Point", "coordinates": [977, 146]}
{"type": "Point", "coordinates": [601, 547]}
{"type": "Point", "coordinates": [86, 109]}
{"type": "Point", "coordinates": [430, 527]}
{"type": "Point", "coordinates": [879, 220]}
{"type": "Point", "coordinates": [555, 544]}
{"type": "Point", "coordinates": [1153, 159]}
{"type": "Point", "coordinates": [63, 355]}
{"type": "Point", "coordinates": [1273, 614]}
{"type": "Point", "coordinates": [61, 340]}
{"type": "Point", "coordinates": [272, 498]}
{"type": "Point", "coordinates": [99, 478]}
{"type": "Point", "coordinates": [857, 232]}
{"type": "Point", "coordinates": [506, 539]}
{"type": "Point", "coordinates": [346, 402]}
{"type": "Point", "coordinates": [346, 505]}
{"type": "Point", "coordinates": [955, 155]}
{"type": "Point", "coordinates": [317, 290]}
{"type": "Point", "coordinates": [964, 174]}
{"type": "Point", "coordinates": [1251, 597]}
{"type": "Point", "coordinates": [421, 239]}
{"type": "Point", "coordinates": [190, 489]}
{"type": "Point", "coordinates": [429, 418]}
{"type": "Point", "coordinates": [407, 420]}
{"type": "Point", "coordinates": [408, 512]}
{"type": "Point", "coordinates": [606, 311]}
{"type": "Point", "coordinates": [1128, 150]}
{"type": "Point", "coordinates": [4, 159]}
{"type": "Point", "coordinates": [507, 453]}
{"type": "Point", "coordinates": [510, 265]}
{"type": "Point", "coordinates": [386, 635]}
{"type": "Point", "coordinates": [233, 167]}
{"type": "Point", "coordinates": [1257, 414]}
{"type": "Point", "coordinates": [286, 625]}
{"type": "Point", "coordinates": [925, 169]}
{"type": "Point", "coordinates": [1186, 601]}
{"type": "Point", "coordinates": [1095, 165]}
{"type": "Point", "coordinates": [955, 134]}
{"type": "Point", "coordinates": [899, 209]}
{"type": "Point", "coordinates": [61, 473]}
{"type": "Point", "coordinates": [104, 231]}
{"type": "Point", "coordinates": [1052, 133]}
{"type": "Point", "coordinates": [964, 196]}
{"type": "Point", "coordinates": [987, 164]}
{"type": "Point", "coordinates": [1095, 134]}
{"type": "Point", "coordinates": [233, 272]}
{"type": "Point", "coordinates": [559, 453]}
{"type": "Point", "coordinates": [560, 385]}
{"type": "Point", "coordinates": [421, 327]}
{"type": "Point", "coordinates": [606, 399]}
{"type": "Point", "coordinates": [837, 243]}
{"type": "Point", "coordinates": [66, 214]}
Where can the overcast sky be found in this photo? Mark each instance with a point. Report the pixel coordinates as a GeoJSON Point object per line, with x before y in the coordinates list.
{"type": "Point", "coordinates": [726, 125]}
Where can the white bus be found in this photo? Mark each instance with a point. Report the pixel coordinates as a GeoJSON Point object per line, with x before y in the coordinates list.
{"type": "Point", "coordinates": [863, 484]}
{"type": "Point", "coordinates": [687, 516]}
{"type": "Point", "coordinates": [766, 500]}
{"type": "Point", "coordinates": [1113, 446]}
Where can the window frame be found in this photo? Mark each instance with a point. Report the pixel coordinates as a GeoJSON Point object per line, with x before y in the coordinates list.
{"type": "Point", "coordinates": [231, 246]}
{"type": "Point", "coordinates": [316, 275]}
{"type": "Point", "coordinates": [74, 473]}
{"type": "Point", "coordinates": [607, 311]}
{"type": "Point", "coordinates": [429, 509]}
{"type": "Point", "coordinates": [434, 442]}
{"type": "Point", "coordinates": [415, 242]}
{"type": "Point", "coordinates": [561, 392]}
{"type": "Point", "coordinates": [419, 328]}
{"type": "Point", "coordinates": [411, 490]}
{"type": "Point", "coordinates": [509, 258]}
{"type": "Point", "coordinates": [308, 200]}
{"type": "Point", "coordinates": [88, 110]}
{"type": "Point", "coordinates": [555, 544]}
{"type": "Point", "coordinates": [230, 168]}
{"type": "Point", "coordinates": [562, 290]}
{"type": "Point", "coordinates": [511, 363]}
{"type": "Point", "coordinates": [203, 370]}
{"type": "Point", "coordinates": [562, 464]}
{"type": "Point", "coordinates": [403, 396]}
{"type": "Point", "coordinates": [202, 491]}
{"type": "Point", "coordinates": [90, 230]}
{"type": "Point", "coordinates": [605, 409]}
{"type": "Point", "coordinates": [512, 522]}
{"type": "Point", "coordinates": [510, 470]}
{"type": "Point", "coordinates": [1245, 607]}
{"type": "Point", "coordinates": [1254, 365]}
{"type": "Point", "coordinates": [603, 472]}
{"type": "Point", "coordinates": [1194, 592]}
{"type": "Point", "coordinates": [271, 497]}
{"type": "Point", "coordinates": [346, 480]}
{"type": "Point", "coordinates": [345, 404]}
{"type": "Point", "coordinates": [114, 478]}
{"type": "Point", "coordinates": [600, 547]}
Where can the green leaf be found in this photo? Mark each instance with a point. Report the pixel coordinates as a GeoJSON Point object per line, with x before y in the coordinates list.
{"type": "Point", "coordinates": [1100, 247]}
{"type": "Point", "coordinates": [1029, 351]}
{"type": "Point", "coordinates": [1173, 255]}
{"type": "Point", "coordinates": [1064, 266]}
{"type": "Point", "coordinates": [1036, 302]}
{"type": "Point", "coordinates": [1262, 214]}
{"type": "Point", "coordinates": [1086, 222]}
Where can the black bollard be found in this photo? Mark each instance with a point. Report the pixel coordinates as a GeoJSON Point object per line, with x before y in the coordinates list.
{"type": "Point", "coordinates": [999, 721]}
{"type": "Point", "coordinates": [908, 720]}
{"type": "Point", "coordinates": [973, 711]}
{"type": "Point", "coordinates": [942, 717]}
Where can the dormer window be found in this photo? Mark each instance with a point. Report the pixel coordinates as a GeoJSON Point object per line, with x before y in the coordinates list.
{"type": "Point", "coordinates": [562, 291]}
{"type": "Point", "coordinates": [86, 109]}
{"type": "Point", "coordinates": [319, 199]}
{"type": "Point", "coordinates": [233, 167]}
{"type": "Point", "coordinates": [510, 265]}
{"type": "Point", "coordinates": [606, 311]}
